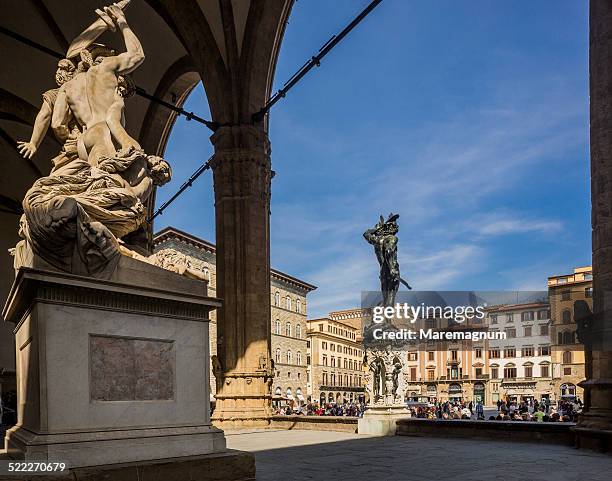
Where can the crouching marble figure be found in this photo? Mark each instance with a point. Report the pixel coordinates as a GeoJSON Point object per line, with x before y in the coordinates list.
{"type": "Point", "coordinates": [101, 180]}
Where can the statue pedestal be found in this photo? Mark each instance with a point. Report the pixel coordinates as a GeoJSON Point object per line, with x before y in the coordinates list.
{"type": "Point", "coordinates": [381, 420]}
{"type": "Point", "coordinates": [112, 371]}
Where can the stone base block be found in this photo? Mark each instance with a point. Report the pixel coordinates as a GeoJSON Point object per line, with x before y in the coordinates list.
{"type": "Point", "coordinates": [111, 371]}
{"type": "Point", "coordinates": [381, 421]}
{"type": "Point", "coordinates": [112, 447]}
{"type": "Point", "coordinates": [595, 439]}
{"type": "Point", "coordinates": [229, 465]}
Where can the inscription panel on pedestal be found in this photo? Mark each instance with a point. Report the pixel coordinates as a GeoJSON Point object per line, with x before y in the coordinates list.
{"type": "Point", "coordinates": [130, 369]}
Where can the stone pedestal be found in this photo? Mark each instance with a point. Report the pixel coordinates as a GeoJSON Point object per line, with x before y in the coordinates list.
{"type": "Point", "coordinates": [381, 420]}
{"type": "Point", "coordinates": [111, 371]}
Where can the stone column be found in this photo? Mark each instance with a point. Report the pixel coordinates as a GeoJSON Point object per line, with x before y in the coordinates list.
{"type": "Point", "coordinates": [595, 427]}
{"type": "Point", "coordinates": [242, 174]}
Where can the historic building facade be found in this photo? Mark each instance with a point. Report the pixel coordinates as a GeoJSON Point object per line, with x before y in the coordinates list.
{"type": "Point", "coordinates": [568, 359]}
{"type": "Point", "coordinates": [288, 320]}
{"type": "Point", "coordinates": [519, 367]}
{"type": "Point", "coordinates": [335, 361]}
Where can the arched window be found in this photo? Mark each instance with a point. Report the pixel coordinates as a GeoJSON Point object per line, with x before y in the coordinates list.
{"type": "Point", "coordinates": [288, 303]}
{"type": "Point", "coordinates": [289, 393]}
{"type": "Point", "coordinates": [277, 299]}
{"type": "Point", "coordinates": [277, 327]}
{"type": "Point", "coordinates": [288, 329]}
{"type": "Point", "coordinates": [298, 306]}
{"type": "Point", "coordinates": [298, 358]}
{"type": "Point", "coordinates": [278, 391]}
{"type": "Point", "coordinates": [277, 356]}
{"type": "Point", "coordinates": [298, 331]}
{"type": "Point", "coordinates": [289, 357]}
{"type": "Point", "coordinates": [566, 316]}
{"type": "Point", "coordinates": [567, 357]}
{"type": "Point", "coordinates": [568, 389]}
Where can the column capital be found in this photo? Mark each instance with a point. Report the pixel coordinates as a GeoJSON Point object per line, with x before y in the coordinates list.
{"type": "Point", "coordinates": [241, 136]}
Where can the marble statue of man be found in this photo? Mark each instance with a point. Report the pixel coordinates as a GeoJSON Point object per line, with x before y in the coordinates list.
{"type": "Point", "coordinates": [78, 214]}
{"type": "Point", "coordinates": [90, 95]}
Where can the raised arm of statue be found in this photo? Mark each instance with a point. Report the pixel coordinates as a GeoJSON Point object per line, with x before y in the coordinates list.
{"type": "Point", "coordinates": [128, 61]}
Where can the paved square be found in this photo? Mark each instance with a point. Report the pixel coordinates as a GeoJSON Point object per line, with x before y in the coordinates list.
{"type": "Point", "coordinates": [321, 455]}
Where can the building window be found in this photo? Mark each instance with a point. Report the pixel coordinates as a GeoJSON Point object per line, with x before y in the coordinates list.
{"type": "Point", "coordinates": [321, 327]}
{"type": "Point", "coordinates": [510, 333]}
{"type": "Point", "coordinates": [527, 331]}
{"type": "Point", "coordinates": [528, 371]}
{"type": "Point", "coordinates": [509, 352]}
{"type": "Point", "coordinates": [323, 345]}
{"type": "Point", "coordinates": [544, 330]}
{"type": "Point", "coordinates": [478, 372]}
{"type": "Point", "coordinates": [527, 351]}
{"type": "Point", "coordinates": [544, 371]}
{"type": "Point", "coordinates": [298, 358]}
{"type": "Point", "coordinates": [289, 357]}
{"type": "Point", "coordinates": [324, 360]}
{"type": "Point", "coordinates": [277, 327]}
{"type": "Point", "coordinates": [509, 373]}
{"type": "Point", "coordinates": [567, 371]}
{"type": "Point", "coordinates": [588, 292]}
{"type": "Point", "coordinates": [288, 329]}
{"type": "Point", "coordinates": [567, 357]}
{"type": "Point", "coordinates": [566, 316]}
{"type": "Point", "coordinates": [478, 352]}
{"type": "Point", "coordinates": [509, 318]}
{"type": "Point", "coordinates": [288, 302]}
{"type": "Point", "coordinates": [566, 295]}
{"type": "Point", "coordinates": [413, 374]}
{"type": "Point", "coordinates": [567, 337]}
{"type": "Point", "coordinates": [543, 314]}
{"type": "Point", "coordinates": [568, 390]}
{"type": "Point", "coordinates": [412, 356]}
{"type": "Point", "coordinates": [494, 353]}
{"type": "Point", "coordinates": [527, 316]}
{"type": "Point", "coordinates": [544, 350]}
{"type": "Point", "coordinates": [298, 331]}
{"type": "Point", "coordinates": [298, 306]}
{"type": "Point", "coordinates": [453, 355]}
{"type": "Point", "coordinates": [277, 299]}
{"type": "Point", "coordinates": [431, 356]}
{"type": "Point", "coordinates": [494, 373]}
{"type": "Point", "coordinates": [493, 318]}
{"type": "Point", "coordinates": [333, 361]}
{"type": "Point", "coordinates": [277, 356]}
{"type": "Point", "coordinates": [431, 375]}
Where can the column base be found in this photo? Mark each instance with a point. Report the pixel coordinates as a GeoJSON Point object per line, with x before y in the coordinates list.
{"type": "Point", "coordinates": [594, 431]}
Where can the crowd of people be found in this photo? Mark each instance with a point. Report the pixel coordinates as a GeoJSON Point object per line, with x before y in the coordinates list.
{"type": "Point", "coordinates": [327, 409]}
{"type": "Point", "coordinates": [526, 410]}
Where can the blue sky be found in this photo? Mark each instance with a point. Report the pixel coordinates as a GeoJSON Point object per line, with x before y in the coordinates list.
{"type": "Point", "coordinates": [469, 118]}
